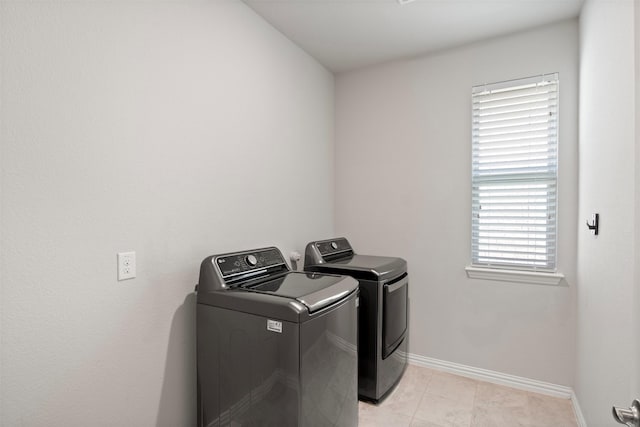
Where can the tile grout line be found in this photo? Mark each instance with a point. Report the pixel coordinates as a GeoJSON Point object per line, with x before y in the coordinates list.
{"type": "Point", "coordinates": [424, 391]}
{"type": "Point", "coordinates": [435, 392]}
{"type": "Point", "coordinates": [428, 384]}
{"type": "Point", "coordinates": [473, 405]}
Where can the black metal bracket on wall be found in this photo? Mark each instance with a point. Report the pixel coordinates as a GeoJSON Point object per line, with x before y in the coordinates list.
{"type": "Point", "coordinates": [595, 223]}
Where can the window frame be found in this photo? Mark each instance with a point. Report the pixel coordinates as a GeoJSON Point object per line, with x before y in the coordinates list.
{"type": "Point", "coordinates": [515, 272]}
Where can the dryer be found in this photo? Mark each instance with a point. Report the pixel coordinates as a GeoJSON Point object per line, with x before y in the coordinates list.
{"type": "Point", "coordinates": [383, 314]}
{"type": "Point", "coordinates": [274, 347]}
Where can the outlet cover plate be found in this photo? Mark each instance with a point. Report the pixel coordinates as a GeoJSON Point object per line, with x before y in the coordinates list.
{"type": "Point", "coordinates": [126, 265]}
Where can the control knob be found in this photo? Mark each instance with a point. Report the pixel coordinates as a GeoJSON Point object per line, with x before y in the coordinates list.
{"type": "Point", "coordinates": [251, 260]}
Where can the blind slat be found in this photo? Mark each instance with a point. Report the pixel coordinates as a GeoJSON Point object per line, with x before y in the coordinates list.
{"type": "Point", "coordinates": [524, 263]}
{"type": "Point", "coordinates": [519, 108]}
{"type": "Point", "coordinates": [515, 170]}
{"type": "Point", "coordinates": [490, 91]}
{"type": "Point", "coordinates": [523, 242]}
{"type": "Point", "coordinates": [513, 130]}
{"type": "Point", "coordinates": [531, 136]}
{"type": "Point", "coordinates": [508, 241]}
{"type": "Point", "coordinates": [536, 113]}
{"type": "Point", "coordinates": [514, 102]}
{"type": "Point", "coordinates": [542, 120]}
{"type": "Point", "coordinates": [483, 155]}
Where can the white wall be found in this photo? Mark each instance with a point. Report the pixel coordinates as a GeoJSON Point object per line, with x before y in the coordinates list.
{"type": "Point", "coordinates": [605, 267]}
{"type": "Point", "coordinates": [635, 391]}
{"type": "Point", "coordinates": [403, 188]}
{"type": "Point", "coordinates": [175, 129]}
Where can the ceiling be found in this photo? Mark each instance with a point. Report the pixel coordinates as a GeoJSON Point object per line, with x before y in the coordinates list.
{"type": "Point", "coordinates": [349, 34]}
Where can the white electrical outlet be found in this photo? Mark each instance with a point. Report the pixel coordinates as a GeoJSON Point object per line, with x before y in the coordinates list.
{"type": "Point", "coordinates": [126, 265]}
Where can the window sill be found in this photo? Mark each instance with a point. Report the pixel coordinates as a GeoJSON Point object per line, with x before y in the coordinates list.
{"type": "Point", "coordinates": [518, 276]}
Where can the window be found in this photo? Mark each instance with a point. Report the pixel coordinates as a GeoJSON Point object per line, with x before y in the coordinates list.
{"type": "Point", "coordinates": [514, 174]}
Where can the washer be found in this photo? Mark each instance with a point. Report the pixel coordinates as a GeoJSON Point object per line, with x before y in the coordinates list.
{"type": "Point", "coordinates": [274, 347]}
{"type": "Point", "coordinates": [383, 314]}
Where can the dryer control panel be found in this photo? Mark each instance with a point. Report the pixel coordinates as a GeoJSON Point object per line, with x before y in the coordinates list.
{"type": "Point", "coordinates": [322, 251]}
{"type": "Point", "coordinates": [334, 246]}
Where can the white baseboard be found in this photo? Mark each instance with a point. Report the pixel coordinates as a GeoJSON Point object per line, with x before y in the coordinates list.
{"type": "Point", "coordinates": [577, 411]}
{"type": "Point", "coordinates": [508, 380]}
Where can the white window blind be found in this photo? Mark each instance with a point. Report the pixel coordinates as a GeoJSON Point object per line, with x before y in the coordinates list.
{"type": "Point", "coordinates": [514, 174]}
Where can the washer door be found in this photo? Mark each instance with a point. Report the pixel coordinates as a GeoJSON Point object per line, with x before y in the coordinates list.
{"type": "Point", "coordinates": [394, 319]}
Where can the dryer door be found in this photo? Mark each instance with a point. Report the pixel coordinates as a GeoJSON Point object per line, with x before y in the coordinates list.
{"type": "Point", "coordinates": [394, 319]}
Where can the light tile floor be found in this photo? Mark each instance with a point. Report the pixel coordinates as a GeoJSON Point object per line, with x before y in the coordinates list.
{"type": "Point", "coordinates": [428, 398]}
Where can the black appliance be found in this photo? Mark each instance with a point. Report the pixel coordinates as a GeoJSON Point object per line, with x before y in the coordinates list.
{"type": "Point", "coordinates": [383, 314]}
{"type": "Point", "coordinates": [274, 347]}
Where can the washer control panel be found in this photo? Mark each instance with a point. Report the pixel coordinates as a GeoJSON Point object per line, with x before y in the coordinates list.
{"type": "Point", "coordinates": [243, 262]}
{"type": "Point", "coordinates": [334, 246]}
